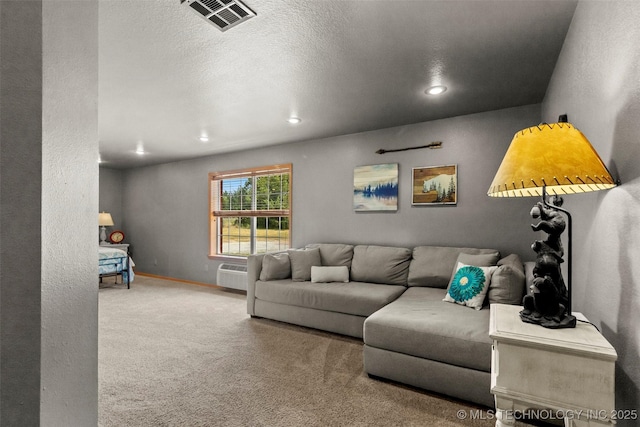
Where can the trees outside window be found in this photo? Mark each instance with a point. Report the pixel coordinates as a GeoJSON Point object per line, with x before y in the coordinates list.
{"type": "Point", "coordinates": [250, 211]}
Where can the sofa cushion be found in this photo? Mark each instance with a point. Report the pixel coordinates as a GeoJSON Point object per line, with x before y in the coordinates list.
{"type": "Point", "coordinates": [380, 264]}
{"type": "Point", "coordinates": [334, 253]}
{"type": "Point", "coordinates": [470, 285]}
{"type": "Point", "coordinates": [508, 281]}
{"type": "Point", "coordinates": [420, 324]}
{"type": "Point", "coordinates": [432, 266]}
{"type": "Point", "coordinates": [356, 298]}
{"type": "Point", "coordinates": [481, 260]}
{"type": "Point", "coordinates": [301, 262]}
{"type": "Point", "coordinates": [275, 266]}
{"type": "Point", "coordinates": [333, 273]}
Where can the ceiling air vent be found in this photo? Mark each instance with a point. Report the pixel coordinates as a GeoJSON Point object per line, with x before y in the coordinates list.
{"type": "Point", "coordinates": [224, 14]}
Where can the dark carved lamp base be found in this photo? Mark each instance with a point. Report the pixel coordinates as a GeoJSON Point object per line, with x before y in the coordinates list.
{"type": "Point", "coordinates": [556, 322]}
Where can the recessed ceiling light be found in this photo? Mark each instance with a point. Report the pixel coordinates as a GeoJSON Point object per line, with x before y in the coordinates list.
{"type": "Point", "coordinates": [140, 151]}
{"type": "Point", "coordinates": [435, 90]}
{"type": "Point", "coordinates": [204, 138]}
{"type": "Point", "coordinates": [294, 120]}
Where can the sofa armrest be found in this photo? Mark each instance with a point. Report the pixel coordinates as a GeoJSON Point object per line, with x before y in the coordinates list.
{"type": "Point", "coordinates": [254, 267]}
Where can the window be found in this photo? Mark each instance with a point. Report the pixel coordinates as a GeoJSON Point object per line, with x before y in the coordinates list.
{"type": "Point", "coordinates": [250, 211]}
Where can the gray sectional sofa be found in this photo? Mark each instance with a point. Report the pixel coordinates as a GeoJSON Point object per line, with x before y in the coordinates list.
{"type": "Point", "coordinates": [392, 298]}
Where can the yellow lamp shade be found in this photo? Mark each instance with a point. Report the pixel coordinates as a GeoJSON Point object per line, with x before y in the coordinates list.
{"type": "Point", "coordinates": [556, 156]}
{"type": "Point", "coordinates": [104, 219]}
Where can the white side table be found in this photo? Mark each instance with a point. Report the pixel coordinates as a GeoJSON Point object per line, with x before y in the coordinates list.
{"type": "Point", "coordinates": [568, 372]}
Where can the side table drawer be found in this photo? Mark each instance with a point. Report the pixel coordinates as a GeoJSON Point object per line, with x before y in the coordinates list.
{"type": "Point", "coordinates": [567, 380]}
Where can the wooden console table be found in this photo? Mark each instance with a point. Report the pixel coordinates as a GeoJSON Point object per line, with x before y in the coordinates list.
{"type": "Point", "coordinates": [568, 373]}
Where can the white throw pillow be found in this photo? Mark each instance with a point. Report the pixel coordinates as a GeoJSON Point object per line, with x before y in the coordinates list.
{"type": "Point", "coordinates": [330, 274]}
{"type": "Point", "coordinates": [469, 285]}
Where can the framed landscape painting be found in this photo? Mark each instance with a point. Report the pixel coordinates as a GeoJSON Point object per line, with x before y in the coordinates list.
{"type": "Point", "coordinates": [435, 185]}
{"type": "Point", "coordinates": [375, 188]}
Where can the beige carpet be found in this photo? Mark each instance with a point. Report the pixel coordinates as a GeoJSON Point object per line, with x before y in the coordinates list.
{"type": "Point", "coordinates": [175, 354]}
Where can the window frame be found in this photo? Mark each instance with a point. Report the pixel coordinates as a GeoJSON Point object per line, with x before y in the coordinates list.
{"type": "Point", "coordinates": [216, 216]}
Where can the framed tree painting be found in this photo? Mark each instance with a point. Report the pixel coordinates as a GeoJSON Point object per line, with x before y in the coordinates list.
{"type": "Point", "coordinates": [435, 185]}
{"type": "Point", "coordinates": [375, 188]}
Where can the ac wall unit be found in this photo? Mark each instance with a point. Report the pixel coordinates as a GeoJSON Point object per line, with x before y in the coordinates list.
{"type": "Point", "coordinates": [232, 276]}
{"type": "Point", "coordinates": [223, 14]}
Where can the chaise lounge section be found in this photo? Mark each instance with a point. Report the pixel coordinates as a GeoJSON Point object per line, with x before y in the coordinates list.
{"type": "Point", "coordinates": [393, 299]}
{"type": "Point", "coordinates": [424, 342]}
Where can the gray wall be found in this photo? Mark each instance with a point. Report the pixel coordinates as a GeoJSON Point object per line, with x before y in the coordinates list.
{"type": "Point", "coordinates": [20, 212]}
{"type": "Point", "coordinates": [111, 186]}
{"type": "Point", "coordinates": [166, 206]}
{"type": "Point", "coordinates": [48, 204]}
{"type": "Point", "coordinates": [597, 83]}
{"type": "Point", "coordinates": [69, 382]}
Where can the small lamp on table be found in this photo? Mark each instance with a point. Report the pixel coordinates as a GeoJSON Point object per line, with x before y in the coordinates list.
{"type": "Point", "coordinates": [104, 221]}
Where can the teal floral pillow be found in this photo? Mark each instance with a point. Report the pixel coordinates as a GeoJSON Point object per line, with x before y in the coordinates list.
{"type": "Point", "coordinates": [469, 285]}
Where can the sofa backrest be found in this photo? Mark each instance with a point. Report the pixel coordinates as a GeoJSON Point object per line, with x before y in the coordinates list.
{"type": "Point", "coordinates": [380, 264]}
{"type": "Point", "coordinates": [334, 254]}
{"type": "Point", "coordinates": [432, 266]}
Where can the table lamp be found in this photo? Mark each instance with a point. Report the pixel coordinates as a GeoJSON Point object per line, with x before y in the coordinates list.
{"type": "Point", "coordinates": [547, 161]}
{"type": "Point", "coordinates": [104, 221]}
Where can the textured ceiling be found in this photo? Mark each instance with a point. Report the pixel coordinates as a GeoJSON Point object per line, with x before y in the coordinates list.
{"type": "Point", "coordinates": [167, 76]}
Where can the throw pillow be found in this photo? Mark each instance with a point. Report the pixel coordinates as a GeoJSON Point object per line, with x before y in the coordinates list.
{"type": "Point", "coordinates": [508, 282]}
{"type": "Point", "coordinates": [479, 260]}
{"type": "Point", "coordinates": [301, 263]}
{"type": "Point", "coordinates": [275, 267]}
{"type": "Point", "coordinates": [470, 285]}
{"type": "Point", "coordinates": [329, 274]}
